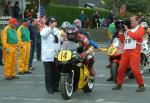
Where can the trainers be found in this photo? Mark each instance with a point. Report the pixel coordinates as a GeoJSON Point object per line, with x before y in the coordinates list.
{"type": "Point", "coordinates": [140, 89]}
{"type": "Point", "coordinates": [108, 66]}
{"type": "Point", "coordinates": [110, 79]}
{"type": "Point", "coordinates": [1, 64]}
{"type": "Point", "coordinates": [20, 73]}
{"type": "Point", "coordinates": [8, 78]}
{"type": "Point", "coordinates": [27, 72]}
{"type": "Point", "coordinates": [15, 77]}
{"type": "Point", "coordinates": [31, 68]}
{"type": "Point", "coordinates": [117, 87]}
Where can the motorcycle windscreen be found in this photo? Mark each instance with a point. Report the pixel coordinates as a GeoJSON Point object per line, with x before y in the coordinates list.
{"type": "Point", "coordinates": [69, 45]}
{"type": "Point", "coordinates": [84, 74]}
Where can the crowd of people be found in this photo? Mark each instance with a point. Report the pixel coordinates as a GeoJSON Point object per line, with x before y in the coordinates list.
{"type": "Point", "coordinates": [96, 21]}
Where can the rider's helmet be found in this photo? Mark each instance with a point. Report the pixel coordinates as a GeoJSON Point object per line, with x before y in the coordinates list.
{"type": "Point", "coordinates": [144, 25]}
{"type": "Point", "coordinates": [65, 25]}
{"type": "Point", "coordinates": [72, 33]}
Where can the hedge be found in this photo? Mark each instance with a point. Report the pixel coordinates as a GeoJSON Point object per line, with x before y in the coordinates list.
{"type": "Point", "coordinates": [69, 13]}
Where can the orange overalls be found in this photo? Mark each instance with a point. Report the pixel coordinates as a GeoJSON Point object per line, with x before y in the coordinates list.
{"type": "Point", "coordinates": [132, 57]}
{"type": "Point", "coordinates": [9, 43]}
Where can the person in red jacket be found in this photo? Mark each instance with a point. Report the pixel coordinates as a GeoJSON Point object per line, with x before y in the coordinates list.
{"type": "Point", "coordinates": [131, 54]}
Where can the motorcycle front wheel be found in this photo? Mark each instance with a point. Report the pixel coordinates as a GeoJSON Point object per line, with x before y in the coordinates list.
{"type": "Point", "coordinates": [114, 70]}
{"type": "Point", "coordinates": [66, 86]}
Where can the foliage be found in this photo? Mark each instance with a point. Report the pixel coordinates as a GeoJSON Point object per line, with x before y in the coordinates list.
{"type": "Point", "coordinates": [132, 5]}
{"type": "Point", "coordinates": [69, 13]}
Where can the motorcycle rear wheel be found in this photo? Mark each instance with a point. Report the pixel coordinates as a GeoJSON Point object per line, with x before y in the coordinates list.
{"type": "Point", "coordinates": [90, 85]}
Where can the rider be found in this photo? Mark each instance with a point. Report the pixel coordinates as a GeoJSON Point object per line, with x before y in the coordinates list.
{"type": "Point", "coordinates": [74, 35]}
{"type": "Point", "coordinates": [64, 26]}
{"type": "Point", "coordinates": [147, 31]}
{"type": "Point", "coordinates": [78, 24]}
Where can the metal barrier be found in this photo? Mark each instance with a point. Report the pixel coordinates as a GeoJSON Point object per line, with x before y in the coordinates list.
{"type": "Point", "coordinates": [99, 35]}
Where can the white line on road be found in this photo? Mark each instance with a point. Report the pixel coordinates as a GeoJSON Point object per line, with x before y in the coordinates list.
{"type": "Point", "coordinates": [97, 84]}
{"type": "Point", "coordinates": [55, 100]}
{"type": "Point", "coordinates": [97, 76]}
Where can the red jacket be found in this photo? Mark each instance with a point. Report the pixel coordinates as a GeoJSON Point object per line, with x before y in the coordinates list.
{"type": "Point", "coordinates": [137, 35]}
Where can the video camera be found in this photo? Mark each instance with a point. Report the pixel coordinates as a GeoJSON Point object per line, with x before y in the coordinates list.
{"type": "Point", "coordinates": [119, 23]}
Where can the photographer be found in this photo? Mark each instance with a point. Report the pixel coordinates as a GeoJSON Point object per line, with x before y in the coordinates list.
{"type": "Point", "coordinates": [131, 54]}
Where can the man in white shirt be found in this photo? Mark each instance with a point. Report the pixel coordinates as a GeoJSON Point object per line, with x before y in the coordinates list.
{"type": "Point", "coordinates": [51, 41]}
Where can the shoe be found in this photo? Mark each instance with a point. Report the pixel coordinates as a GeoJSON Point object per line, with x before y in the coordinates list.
{"type": "Point", "coordinates": [20, 73]}
{"type": "Point", "coordinates": [15, 77]}
{"type": "Point", "coordinates": [1, 64]}
{"type": "Point", "coordinates": [27, 72]}
{"type": "Point", "coordinates": [31, 68]}
{"type": "Point", "coordinates": [117, 87]}
{"type": "Point", "coordinates": [108, 66]}
{"type": "Point", "coordinates": [56, 90]}
{"type": "Point", "coordinates": [51, 91]}
{"type": "Point", "coordinates": [140, 89]}
{"type": "Point", "coordinates": [8, 78]}
{"type": "Point", "coordinates": [38, 59]}
{"type": "Point", "coordinates": [110, 79]}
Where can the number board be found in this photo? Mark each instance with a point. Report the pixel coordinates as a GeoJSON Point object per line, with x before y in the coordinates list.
{"type": "Point", "coordinates": [64, 55]}
{"type": "Point", "coordinates": [112, 50]}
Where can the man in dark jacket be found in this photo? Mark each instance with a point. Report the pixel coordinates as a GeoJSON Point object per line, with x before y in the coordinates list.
{"type": "Point", "coordinates": [8, 9]}
{"type": "Point", "coordinates": [32, 30]}
{"type": "Point", "coordinates": [16, 10]}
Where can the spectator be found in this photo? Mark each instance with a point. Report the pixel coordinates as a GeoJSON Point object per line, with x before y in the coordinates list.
{"type": "Point", "coordinates": [32, 30]}
{"type": "Point", "coordinates": [38, 45]}
{"type": "Point", "coordinates": [34, 14]}
{"type": "Point", "coordinates": [9, 42]}
{"type": "Point", "coordinates": [110, 17]}
{"type": "Point", "coordinates": [96, 20]}
{"type": "Point", "coordinates": [8, 9]}
{"type": "Point", "coordinates": [26, 13]}
{"type": "Point", "coordinates": [51, 42]}
{"type": "Point", "coordinates": [16, 10]}
{"type": "Point", "coordinates": [82, 17]}
{"type": "Point", "coordinates": [1, 55]}
{"type": "Point", "coordinates": [24, 44]}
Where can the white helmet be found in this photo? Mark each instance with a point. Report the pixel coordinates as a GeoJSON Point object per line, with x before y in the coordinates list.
{"type": "Point", "coordinates": [65, 24]}
{"type": "Point", "coordinates": [144, 24]}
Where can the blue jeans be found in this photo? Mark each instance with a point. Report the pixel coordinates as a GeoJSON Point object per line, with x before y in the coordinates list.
{"type": "Point", "coordinates": [31, 53]}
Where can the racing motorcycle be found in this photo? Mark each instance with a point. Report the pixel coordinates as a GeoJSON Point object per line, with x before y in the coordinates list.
{"type": "Point", "coordinates": [145, 56]}
{"type": "Point", "coordinates": [115, 51]}
{"type": "Point", "coordinates": [75, 74]}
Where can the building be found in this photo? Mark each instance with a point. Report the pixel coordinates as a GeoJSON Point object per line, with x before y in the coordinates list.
{"type": "Point", "coordinates": [80, 2]}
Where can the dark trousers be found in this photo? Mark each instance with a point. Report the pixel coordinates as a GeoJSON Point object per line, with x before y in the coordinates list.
{"type": "Point", "coordinates": [52, 76]}
{"type": "Point", "coordinates": [1, 56]}
{"type": "Point", "coordinates": [31, 53]}
{"type": "Point", "coordinates": [38, 50]}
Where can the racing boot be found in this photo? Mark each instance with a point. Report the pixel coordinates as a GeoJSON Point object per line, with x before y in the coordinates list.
{"type": "Point", "coordinates": [117, 87]}
{"type": "Point", "coordinates": [141, 88]}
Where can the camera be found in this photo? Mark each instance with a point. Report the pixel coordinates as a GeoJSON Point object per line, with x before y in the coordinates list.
{"type": "Point", "coordinates": [119, 23]}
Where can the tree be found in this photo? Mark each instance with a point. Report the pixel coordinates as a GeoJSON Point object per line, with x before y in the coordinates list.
{"type": "Point", "coordinates": [132, 5]}
{"type": "Point", "coordinates": [35, 3]}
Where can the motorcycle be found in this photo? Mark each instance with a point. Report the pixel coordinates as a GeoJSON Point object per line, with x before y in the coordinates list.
{"type": "Point", "coordinates": [145, 56]}
{"type": "Point", "coordinates": [75, 74]}
{"type": "Point", "coordinates": [115, 51]}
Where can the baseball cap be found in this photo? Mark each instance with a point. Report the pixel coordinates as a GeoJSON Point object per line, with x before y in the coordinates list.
{"type": "Point", "coordinates": [13, 21]}
{"type": "Point", "coordinates": [50, 20]}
